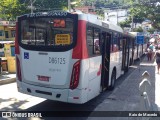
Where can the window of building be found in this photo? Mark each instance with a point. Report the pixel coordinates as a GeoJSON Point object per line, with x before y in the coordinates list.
{"type": "Point", "coordinates": [1, 33]}
{"type": "Point", "coordinates": [6, 34]}
{"type": "Point", "coordinates": [13, 33]}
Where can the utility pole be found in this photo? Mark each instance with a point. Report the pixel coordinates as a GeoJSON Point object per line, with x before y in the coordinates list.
{"type": "Point", "coordinates": [132, 24]}
{"type": "Point", "coordinates": [69, 5]}
{"type": "Point", "coordinates": [32, 7]}
{"type": "Point", "coordinates": [117, 16]}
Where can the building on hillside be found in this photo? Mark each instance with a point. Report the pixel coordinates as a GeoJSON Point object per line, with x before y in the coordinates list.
{"type": "Point", "coordinates": [86, 9]}
{"type": "Point", "coordinates": [7, 46]}
{"type": "Point", "coordinates": [7, 31]}
{"type": "Point", "coordinates": [146, 25]}
{"type": "Point", "coordinates": [116, 16]}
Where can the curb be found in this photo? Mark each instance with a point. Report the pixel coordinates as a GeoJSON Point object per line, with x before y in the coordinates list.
{"type": "Point", "coordinates": [8, 80]}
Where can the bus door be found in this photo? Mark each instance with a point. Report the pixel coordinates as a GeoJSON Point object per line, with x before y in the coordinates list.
{"type": "Point", "coordinates": [106, 39]}
{"type": "Point", "coordinates": [133, 49]}
{"type": "Point", "coordinates": [125, 55]}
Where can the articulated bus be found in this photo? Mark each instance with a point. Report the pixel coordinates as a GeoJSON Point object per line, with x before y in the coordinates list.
{"type": "Point", "coordinates": [139, 49]}
{"type": "Point", "coordinates": [69, 57]}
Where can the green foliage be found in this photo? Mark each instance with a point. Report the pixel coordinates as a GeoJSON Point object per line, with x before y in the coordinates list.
{"type": "Point", "coordinates": [102, 3]}
{"type": "Point", "coordinates": [146, 10]}
{"type": "Point", "coordinates": [139, 29]}
{"type": "Point", "coordinates": [100, 13]}
{"type": "Point", "coordinates": [125, 23]}
{"type": "Point", "coordinates": [45, 5]}
{"type": "Point", "coordinates": [154, 16]}
{"type": "Point", "coordinates": [151, 30]}
{"type": "Point", "coordinates": [10, 9]}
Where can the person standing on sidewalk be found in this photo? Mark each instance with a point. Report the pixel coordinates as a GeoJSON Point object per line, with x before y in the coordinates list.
{"type": "Point", "coordinates": [157, 55]}
{"type": "Point", "coordinates": [149, 54]}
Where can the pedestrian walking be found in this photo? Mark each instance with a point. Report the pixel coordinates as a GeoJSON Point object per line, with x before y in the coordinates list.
{"type": "Point", "coordinates": [149, 54]}
{"type": "Point", "coordinates": [157, 56]}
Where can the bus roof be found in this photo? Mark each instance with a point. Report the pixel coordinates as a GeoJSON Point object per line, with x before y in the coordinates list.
{"type": "Point", "coordinates": [96, 20]}
{"type": "Point", "coordinates": [81, 16]}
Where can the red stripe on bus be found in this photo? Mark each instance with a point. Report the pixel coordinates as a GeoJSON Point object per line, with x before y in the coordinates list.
{"type": "Point", "coordinates": [80, 51]}
{"type": "Point", "coordinates": [99, 71]}
{"type": "Point", "coordinates": [16, 40]}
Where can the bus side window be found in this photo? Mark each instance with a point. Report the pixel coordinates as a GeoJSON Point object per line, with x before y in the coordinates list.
{"type": "Point", "coordinates": [111, 44]}
{"type": "Point", "coordinates": [121, 44]}
{"type": "Point", "coordinates": [115, 42]}
{"type": "Point", "coordinates": [93, 42]}
{"type": "Point", "coordinates": [90, 40]}
{"type": "Point", "coordinates": [96, 49]}
{"type": "Point", "coordinates": [119, 37]}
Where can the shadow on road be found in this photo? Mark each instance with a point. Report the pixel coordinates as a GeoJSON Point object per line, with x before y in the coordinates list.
{"type": "Point", "coordinates": [11, 104]}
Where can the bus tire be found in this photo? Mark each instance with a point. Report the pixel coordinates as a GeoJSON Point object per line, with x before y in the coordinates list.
{"type": "Point", "coordinates": [113, 79]}
{"type": "Point", "coordinates": [130, 62]}
{"type": "Point", "coordinates": [101, 89]}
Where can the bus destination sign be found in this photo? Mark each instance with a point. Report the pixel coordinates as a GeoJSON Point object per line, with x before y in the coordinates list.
{"type": "Point", "coordinates": [51, 13]}
{"type": "Point", "coordinates": [63, 39]}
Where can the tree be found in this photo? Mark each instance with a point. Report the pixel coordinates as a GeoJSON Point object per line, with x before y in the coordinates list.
{"type": "Point", "coordinates": [46, 5]}
{"type": "Point", "coordinates": [139, 29]}
{"type": "Point", "coordinates": [151, 30]}
{"type": "Point", "coordinates": [125, 23]}
{"type": "Point", "coordinates": [146, 10]}
{"type": "Point", "coordinates": [10, 9]}
{"type": "Point", "coordinates": [100, 12]}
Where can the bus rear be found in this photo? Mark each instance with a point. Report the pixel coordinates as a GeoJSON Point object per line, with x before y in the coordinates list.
{"type": "Point", "coordinates": [44, 56]}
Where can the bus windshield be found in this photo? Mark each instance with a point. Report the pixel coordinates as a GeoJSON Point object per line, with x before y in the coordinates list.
{"type": "Point", "coordinates": [47, 31]}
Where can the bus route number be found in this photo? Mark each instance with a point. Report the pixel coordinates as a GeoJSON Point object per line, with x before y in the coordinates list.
{"type": "Point", "coordinates": [55, 60]}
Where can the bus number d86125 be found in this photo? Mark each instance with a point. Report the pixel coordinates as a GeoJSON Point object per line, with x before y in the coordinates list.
{"type": "Point", "coordinates": [55, 60]}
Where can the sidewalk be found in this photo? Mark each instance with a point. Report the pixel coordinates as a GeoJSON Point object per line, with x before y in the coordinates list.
{"type": "Point", "coordinates": [127, 97]}
{"type": "Point", "coordinates": [151, 67]}
{"type": "Point", "coordinates": [6, 78]}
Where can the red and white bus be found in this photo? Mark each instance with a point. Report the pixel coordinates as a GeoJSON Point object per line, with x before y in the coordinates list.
{"type": "Point", "coordinates": [69, 57]}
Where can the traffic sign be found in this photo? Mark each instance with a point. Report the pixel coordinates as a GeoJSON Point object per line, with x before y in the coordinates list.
{"type": "Point", "coordinates": [140, 38]}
